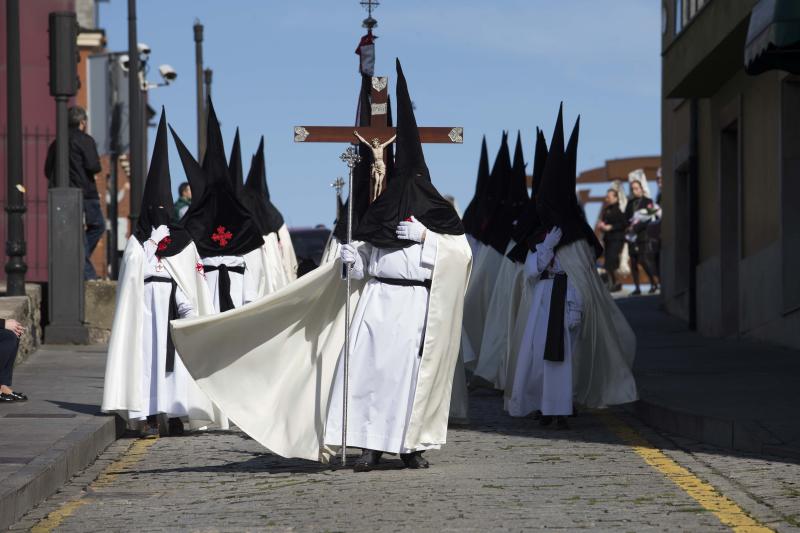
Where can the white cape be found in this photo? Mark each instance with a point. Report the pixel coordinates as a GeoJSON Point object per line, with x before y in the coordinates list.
{"type": "Point", "coordinates": [606, 344]}
{"type": "Point", "coordinates": [122, 391]}
{"type": "Point", "coordinates": [476, 302]}
{"type": "Point", "coordinates": [273, 360]}
{"type": "Point", "coordinates": [493, 353]}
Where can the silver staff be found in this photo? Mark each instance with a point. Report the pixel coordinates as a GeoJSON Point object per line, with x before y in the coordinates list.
{"type": "Point", "coordinates": [351, 159]}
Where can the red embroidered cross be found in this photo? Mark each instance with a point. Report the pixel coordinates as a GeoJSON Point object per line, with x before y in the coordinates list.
{"type": "Point", "coordinates": [200, 269]}
{"type": "Point", "coordinates": [222, 236]}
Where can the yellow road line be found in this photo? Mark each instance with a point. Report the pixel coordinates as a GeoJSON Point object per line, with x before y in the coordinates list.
{"type": "Point", "coordinates": [132, 455]}
{"type": "Point", "coordinates": [727, 511]}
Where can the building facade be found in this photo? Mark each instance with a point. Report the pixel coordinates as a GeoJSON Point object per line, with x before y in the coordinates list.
{"type": "Point", "coordinates": [731, 171]}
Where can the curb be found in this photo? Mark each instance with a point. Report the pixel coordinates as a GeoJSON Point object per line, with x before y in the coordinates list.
{"type": "Point", "coordinates": [739, 435]}
{"type": "Point", "coordinates": [47, 473]}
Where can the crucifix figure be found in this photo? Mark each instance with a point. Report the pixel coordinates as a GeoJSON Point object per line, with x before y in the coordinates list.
{"type": "Point", "coordinates": [378, 167]}
{"type": "Point", "coordinates": [377, 130]}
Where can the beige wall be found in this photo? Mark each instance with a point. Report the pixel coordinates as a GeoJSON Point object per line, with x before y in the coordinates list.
{"type": "Point", "coordinates": [755, 101]}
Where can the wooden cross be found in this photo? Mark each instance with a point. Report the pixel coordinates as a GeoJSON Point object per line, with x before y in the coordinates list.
{"type": "Point", "coordinates": [378, 128]}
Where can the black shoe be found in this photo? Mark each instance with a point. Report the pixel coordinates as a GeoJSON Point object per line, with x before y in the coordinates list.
{"type": "Point", "coordinates": [7, 397]}
{"type": "Point", "coordinates": [561, 422]}
{"type": "Point", "coordinates": [537, 415]}
{"type": "Point", "coordinates": [653, 289]}
{"type": "Point", "coordinates": [369, 459]}
{"type": "Point", "coordinates": [414, 460]}
{"type": "Point", "coordinates": [616, 288]}
{"type": "Point", "coordinates": [19, 396]}
{"type": "Point", "coordinates": [545, 420]}
{"type": "Point", "coordinates": [636, 292]}
{"type": "Point", "coordinates": [175, 427]}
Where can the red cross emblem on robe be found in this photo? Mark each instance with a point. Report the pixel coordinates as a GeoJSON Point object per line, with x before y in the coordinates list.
{"type": "Point", "coordinates": [222, 236]}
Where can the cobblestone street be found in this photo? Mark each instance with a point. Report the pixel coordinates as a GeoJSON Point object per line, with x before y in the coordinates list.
{"type": "Point", "coordinates": [606, 473]}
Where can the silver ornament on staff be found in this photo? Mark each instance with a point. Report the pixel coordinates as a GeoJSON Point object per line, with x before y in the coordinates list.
{"type": "Point", "coordinates": [351, 159]}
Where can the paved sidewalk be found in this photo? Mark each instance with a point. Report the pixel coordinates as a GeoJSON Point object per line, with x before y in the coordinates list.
{"type": "Point", "coordinates": [57, 432]}
{"type": "Point", "coordinates": [739, 394]}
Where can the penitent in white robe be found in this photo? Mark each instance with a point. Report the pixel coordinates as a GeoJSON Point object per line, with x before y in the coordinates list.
{"type": "Point", "coordinates": [244, 287]}
{"type": "Point", "coordinates": [162, 391]}
{"type": "Point", "coordinates": [386, 336]}
{"type": "Point", "coordinates": [136, 383]}
{"type": "Point", "coordinates": [540, 384]}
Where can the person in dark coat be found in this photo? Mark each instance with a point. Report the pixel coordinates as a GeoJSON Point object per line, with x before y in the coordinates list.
{"type": "Point", "coordinates": [613, 224]}
{"type": "Point", "coordinates": [84, 163]}
{"type": "Point", "coordinates": [10, 331]}
{"type": "Point", "coordinates": [638, 238]}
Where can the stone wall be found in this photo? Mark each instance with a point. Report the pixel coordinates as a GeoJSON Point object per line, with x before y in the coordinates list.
{"type": "Point", "coordinates": [100, 301]}
{"type": "Point", "coordinates": [28, 311]}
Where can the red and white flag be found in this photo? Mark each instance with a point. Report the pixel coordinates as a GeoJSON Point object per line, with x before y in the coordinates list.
{"type": "Point", "coordinates": [366, 50]}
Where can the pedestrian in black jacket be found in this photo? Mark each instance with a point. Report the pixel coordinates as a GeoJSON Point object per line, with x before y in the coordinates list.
{"type": "Point", "coordinates": [84, 163]}
{"type": "Point", "coordinates": [613, 224]}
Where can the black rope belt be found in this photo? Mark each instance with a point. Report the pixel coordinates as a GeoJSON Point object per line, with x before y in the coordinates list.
{"type": "Point", "coordinates": [224, 285]}
{"type": "Point", "coordinates": [405, 282]}
{"type": "Point", "coordinates": [172, 315]}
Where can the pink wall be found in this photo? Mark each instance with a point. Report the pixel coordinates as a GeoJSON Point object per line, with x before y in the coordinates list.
{"type": "Point", "coordinates": [38, 123]}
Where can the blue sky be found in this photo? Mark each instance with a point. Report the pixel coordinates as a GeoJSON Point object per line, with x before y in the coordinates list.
{"type": "Point", "coordinates": [486, 66]}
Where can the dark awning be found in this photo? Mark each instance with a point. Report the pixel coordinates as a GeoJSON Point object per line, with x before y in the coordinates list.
{"type": "Point", "coordinates": [773, 37]}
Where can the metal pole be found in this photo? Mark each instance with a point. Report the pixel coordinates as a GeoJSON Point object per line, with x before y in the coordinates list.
{"type": "Point", "coordinates": [62, 143]}
{"type": "Point", "coordinates": [113, 204]}
{"type": "Point", "coordinates": [351, 157]}
{"type": "Point", "coordinates": [201, 101]}
{"type": "Point", "coordinates": [135, 117]}
{"type": "Point", "coordinates": [15, 201]}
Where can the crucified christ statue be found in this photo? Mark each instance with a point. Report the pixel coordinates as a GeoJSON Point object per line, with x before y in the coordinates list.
{"type": "Point", "coordinates": [378, 169]}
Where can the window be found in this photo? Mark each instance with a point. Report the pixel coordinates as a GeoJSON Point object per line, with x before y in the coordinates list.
{"type": "Point", "coordinates": [685, 11]}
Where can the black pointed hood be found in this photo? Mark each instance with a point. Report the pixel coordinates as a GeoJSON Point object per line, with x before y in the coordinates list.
{"type": "Point", "coordinates": [192, 169]}
{"type": "Point", "coordinates": [157, 198]}
{"type": "Point", "coordinates": [235, 165]}
{"type": "Point", "coordinates": [410, 192]}
{"type": "Point", "coordinates": [556, 199]}
{"type": "Point", "coordinates": [255, 195]}
{"type": "Point", "coordinates": [361, 172]}
{"type": "Point", "coordinates": [471, 218]}
{"type": "Point", "coordinates": [529, 223]}
{"type": "Point", "coordinates": [500, 222]}
{"type": "Point", "coordinates": [218, 222]}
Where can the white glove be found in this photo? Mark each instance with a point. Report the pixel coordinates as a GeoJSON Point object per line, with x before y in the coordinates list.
{"type": "Point", "coordinates": [158, 234]}
{"type": "Point", "coordinates": [552, 238]}
{"type": "Point", "coordinates": [348, 254]}
{"type": "Point", "coordinates": [411, 231]}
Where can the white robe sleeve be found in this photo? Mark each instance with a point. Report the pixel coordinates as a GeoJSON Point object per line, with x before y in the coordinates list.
{"type": "Point", "coordinates": [532, 268]}
{"type": "Point", "coordinates": [429, 247]}
{"type": "Point", "coordinates": [544, 256]}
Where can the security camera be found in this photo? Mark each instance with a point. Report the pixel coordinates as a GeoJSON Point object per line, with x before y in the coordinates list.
{"type": "Point", "coordinates": [144, 49]}
{"type": "Point", "coordinates": [167, 73]}
{"type": "Point", "coordinates": [124, 62]}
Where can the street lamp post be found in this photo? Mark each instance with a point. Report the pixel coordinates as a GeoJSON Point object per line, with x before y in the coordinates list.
{"type": "Point", "coordinates": [15, 201]}
{"type": "Point", "coordinates": [135, 120]}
